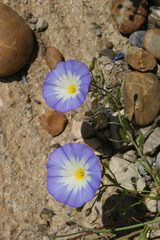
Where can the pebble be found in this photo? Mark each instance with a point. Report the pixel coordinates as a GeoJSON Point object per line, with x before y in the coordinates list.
{"type": "Point", "coordinates": [98, 32]}
{"type": "Point", "coordinates": [53, 56]}
{"type": "Point", "coordinates": [137, 38]}
{"type": "Point", "coordinates": [152, 142]}
{"type": "Point", "coordinates": [108, 53]}
{"type": "Point", "coordinates": [33, 20]}
{"type": "Point", "coordinates": [157, 161]}
{"type": "Point", "coordinates": [141, 97]}
{"type": "Point", "coordinates": [151, 42]}
{"type": "Point", "coordinates": [153, 17]}
{"type": "Point", "coordinates": [128, 16]}
{"type": "Point", "coordinates": [41, 24]}
{"type": "Point", "coordinates": [32, 26]}
{"type": "Point", "coordinates": [140, 59]}
{"type": "Point", "coordinates": [129, 155]}
{"type": "Point", "coordinates": [125, 173]}
{"type": "Point", "coordinates": [109, 45]}
{"type": "Point", "coordinates": [81, 130]}
{"type": "Point", "coordinates": [101, 122]}
{"type": "Point", "coordinates": [54, 122]}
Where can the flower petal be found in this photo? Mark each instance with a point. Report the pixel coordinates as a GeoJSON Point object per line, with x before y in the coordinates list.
{"type": "Point", "coordinates": [62, 181]}
{"type": "Point", "coordinates": [65, 88]}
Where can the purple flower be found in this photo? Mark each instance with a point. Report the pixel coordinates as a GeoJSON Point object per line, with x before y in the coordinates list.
{"type": "Point", "coordinates": [65, 88]}
{"type": "Point", "coordinates": [74, 174]}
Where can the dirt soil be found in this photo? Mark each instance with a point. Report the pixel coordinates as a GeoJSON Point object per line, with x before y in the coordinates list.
{"type": "Point", "coordinates": [24, 144]}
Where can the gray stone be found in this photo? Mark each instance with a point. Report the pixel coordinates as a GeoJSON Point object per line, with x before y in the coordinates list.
{"type": "Point", "coordinates": [129, 155]}
{"type": "Point", "coordinates": [125, 174]}
{"type": "Point", "coordinates": [157, 162]}
{"type": "Point", "coordinates": [137, 39]}
{"type": "Point", "coordinates": [153, 17]}
{"type": "Point", "coordinates": [41, 25]}
{"type": "Point", "coordinates": [152, 142]}
{"type": "Point", "coordinates": [108, 53]}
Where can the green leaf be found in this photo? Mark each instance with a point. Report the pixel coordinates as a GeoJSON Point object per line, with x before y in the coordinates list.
{"type": "Point", "coordinates": [143, 234]}
{"type": "Point", "coordinates": [141, 139]}
{"type": "Point", "coordinates": [118, 95]}
{"type": "Point", "coordinates": [92, 66]}
{"type": "Point", "coordinates": [122, 134]}
{"type": "Point", "coordinates": [111, 179]}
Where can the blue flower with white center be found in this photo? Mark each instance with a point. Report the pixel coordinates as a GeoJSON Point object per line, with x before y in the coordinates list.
{"type": "Point", "coordinates": [65, 88]}
{"type": "Point", "coordinates": [74, 174]}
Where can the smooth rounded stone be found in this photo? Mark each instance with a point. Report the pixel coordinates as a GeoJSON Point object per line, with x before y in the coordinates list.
{"type": "Point", "coordinates": [140, 59]}
{"type": "Point", "coordinates": [109, 44]}
{"type": "Point", "coordinates": [53, 56]}
{"type": "Point", "coordinates": [16, 41]}
{"type": "Point", "coordinates": [157, 161]}
{"type": "Point", "coordinates": [100, 122]}
{"type": "Point", "coordinates": [54, 122]}
{"type": "Point", "coordinates": [81, 129]}
{"type": "Point", "coordinates": [137, 39]}
{"type": "Point", "coordinates": [153, 17]}
{"type": "Point", "coordinates": [41, 24]}
{"type": "Point", "coordinates": [130, 15]}
{"type": "Point", "coordinates": [126, 173]}
{"type": "Point", "coordinates": [151, 42]}
{"type": "Point", "coordinates": [141, 97]}
{"type": "Point", "coordinates": [108, 53]}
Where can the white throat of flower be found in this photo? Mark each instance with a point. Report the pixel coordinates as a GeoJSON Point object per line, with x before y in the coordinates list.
{"type": "Point", "coordinates": [67, 86]}
{"type": "Point", "coordinates": [75, 174]}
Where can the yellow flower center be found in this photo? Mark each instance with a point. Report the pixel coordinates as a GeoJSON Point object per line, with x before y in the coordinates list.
{"type": "Point", "coordinates": [72, 89]}
{"type": "Point", "coordinates": [80, 174]}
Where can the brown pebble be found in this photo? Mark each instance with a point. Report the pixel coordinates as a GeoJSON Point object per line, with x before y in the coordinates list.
{"type": "Point", "coordinates": [141, 97]}
{"type": "Point", "coordinates": [54, 122]}
{"type": "Point", "coordinates": [152, 42]}
{"type": "Point", "coordinates": [109, 45]}
{"type": "Point", "coordinates": [53, 56]}
{"type": "Point", "coordinates": [140, 59]}
{"type": "Point", "coordinates": [129, 15]}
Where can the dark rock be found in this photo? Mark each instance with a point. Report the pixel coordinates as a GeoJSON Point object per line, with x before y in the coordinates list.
{"type": "Point", "coordinates": [108, 53]}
